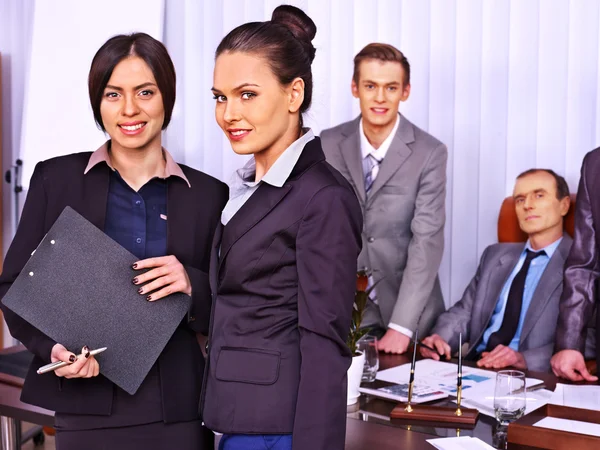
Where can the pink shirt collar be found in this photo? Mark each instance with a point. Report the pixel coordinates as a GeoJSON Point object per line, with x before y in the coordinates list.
{"type": "Point", "coordinates": [171, 168]}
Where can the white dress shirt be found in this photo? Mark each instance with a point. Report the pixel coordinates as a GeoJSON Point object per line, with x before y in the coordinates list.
{"type": "Point", "coordinates": [378, 153]}
{"type": "Point", "coordinates": [243, 184]}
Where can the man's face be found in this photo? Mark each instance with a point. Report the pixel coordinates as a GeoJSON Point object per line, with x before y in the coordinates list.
{"type": "Point", "coordinates": [538, 209]}
{"type": "Point", "coordinates": [380, 89]}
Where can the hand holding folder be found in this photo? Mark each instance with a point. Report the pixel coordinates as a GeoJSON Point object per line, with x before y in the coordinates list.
{"type": "Point", "coordinates": [76, 288]}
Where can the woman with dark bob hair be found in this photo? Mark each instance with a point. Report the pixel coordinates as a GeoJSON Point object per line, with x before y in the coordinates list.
{"type": "Point", "coordinates": [133, 190]}
{"type": "Point", "coordinates": [284, 261]}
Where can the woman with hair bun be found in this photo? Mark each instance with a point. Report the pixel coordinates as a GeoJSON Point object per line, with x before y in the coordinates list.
{"type": "Point", "coordinates": [283, 265]}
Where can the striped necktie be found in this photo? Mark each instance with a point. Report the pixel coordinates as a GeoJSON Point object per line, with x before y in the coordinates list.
{"type": "Point", "coordinates": [370, 166]}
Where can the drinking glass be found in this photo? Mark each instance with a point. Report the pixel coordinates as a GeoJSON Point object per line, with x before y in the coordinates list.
{"type": "Point", "coordinates": [368, 345]}
{"type": "Point", "coordinates": [509, 396]}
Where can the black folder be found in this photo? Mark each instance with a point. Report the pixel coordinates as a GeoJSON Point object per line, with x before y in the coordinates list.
{"type": "Point", "coordinates": [77, 289]}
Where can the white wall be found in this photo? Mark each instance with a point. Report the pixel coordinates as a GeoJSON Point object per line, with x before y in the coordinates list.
{"type": "Point", "coordinates": [66, 35]}
{"type": "Point", "coordinates": [15, 33]}
{"type": "Point", "coordinates": [506, 84]}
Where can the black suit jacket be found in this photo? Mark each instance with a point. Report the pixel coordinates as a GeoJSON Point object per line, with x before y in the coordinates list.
{"type": "Point", "coordinates": [284, 288]}
{"type": "Point", "coordinates": [193, 214]}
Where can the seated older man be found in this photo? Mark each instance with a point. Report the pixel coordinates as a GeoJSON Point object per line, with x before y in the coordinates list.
{"type": "Point", "coordinates": [509, 311]}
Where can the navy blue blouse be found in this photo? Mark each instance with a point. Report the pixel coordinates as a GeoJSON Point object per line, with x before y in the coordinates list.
{"type": "Point", "coordinates": [138, 220]}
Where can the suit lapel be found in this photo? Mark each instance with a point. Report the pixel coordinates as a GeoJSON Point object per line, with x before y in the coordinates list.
{"type": "Point", "coordinates": [95, 195]}
{"type": "Point", "coordinates": [179, 224]}
{"type": "Point", "coordinates": [549, 282]}
{"type": "Point", "coordinates": [351, 153]}
{"type": "Point", "coordinates": [396, 155]}
{"type": "Point", "coordinates": [498, 277]}
{"type": "Point", "coordinates": [214, 258]}
{"type": "Point", "coordinates": [256, 207]}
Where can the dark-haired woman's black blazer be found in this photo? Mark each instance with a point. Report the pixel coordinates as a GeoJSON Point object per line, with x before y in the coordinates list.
{"type": "Point", "coordinates": [193, 216]}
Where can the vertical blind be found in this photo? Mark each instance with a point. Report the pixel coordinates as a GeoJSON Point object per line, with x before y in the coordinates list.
{"type": "Point", "coordinates": [506, 85]}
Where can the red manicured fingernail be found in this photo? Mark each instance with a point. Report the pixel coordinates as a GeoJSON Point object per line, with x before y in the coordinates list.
{"type": "Point", "coordinates": [87, 355]}
{"type": "Point", "coordinates": [135, 280]}
{"type": "Point", "coordinates": [134, 266]}
{"type": "Point", "coordinates": [72, 358]}
{"type": "Point", "coordinates": [141, 290]}
{"type": "Point", "coordinates": [149, 298]}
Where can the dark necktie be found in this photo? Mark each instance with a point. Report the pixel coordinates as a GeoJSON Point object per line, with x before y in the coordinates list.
{"type": "Point", "coordinates": [512, 313]}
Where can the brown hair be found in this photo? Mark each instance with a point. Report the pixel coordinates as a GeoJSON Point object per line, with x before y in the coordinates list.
{"type": "Point", "coordinates": [120, 47]}
{"type": "Point", "coordinates": [284, 41]}
{"type": "Point", "coordinates": [562, 188]}
{"type": "Point", "coordinates": [381, 52]}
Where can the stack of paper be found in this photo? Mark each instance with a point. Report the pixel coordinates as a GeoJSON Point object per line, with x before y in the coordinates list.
{"type": "Point", "coordinates": [460, 443]}
{"type": "Point", "coordinates": [585, 397]}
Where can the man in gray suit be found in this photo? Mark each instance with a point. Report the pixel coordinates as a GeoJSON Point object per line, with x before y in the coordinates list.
{"type": "Point", "coordinates": [509, 311]}
{"type": "Point", "coordinates": [398, 173]}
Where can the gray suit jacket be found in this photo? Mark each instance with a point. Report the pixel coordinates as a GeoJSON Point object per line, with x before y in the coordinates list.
{"type": "Point", "coordinates": [473, 312]}
{"type": "Point", "coordinates": [404, 216]}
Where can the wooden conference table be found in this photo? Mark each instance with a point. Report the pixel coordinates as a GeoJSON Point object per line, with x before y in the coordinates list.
{"type": "Point", "coordinates": [368, 423]}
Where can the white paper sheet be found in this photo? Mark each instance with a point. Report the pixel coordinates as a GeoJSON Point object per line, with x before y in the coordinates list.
{"type": "Point", "coordinates": [485, 403]}
{"type": "Point", "coordinates": [460, 443]}
{"type": "Point", "coordinates": [572, 426]}
{"type": "Point", "coordinates": [586, 397]}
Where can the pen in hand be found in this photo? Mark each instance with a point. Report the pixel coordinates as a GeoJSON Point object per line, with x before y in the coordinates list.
{"type": "Point", "coordinates": [58, 364]}
{"type": "Point", "coordinates": [431, 349]}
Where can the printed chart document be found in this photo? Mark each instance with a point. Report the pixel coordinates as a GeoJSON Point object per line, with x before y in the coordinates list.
{"type": "Point", "coordinates": [585, 397]}
{"type": "Point", "coordinates": [436, 375]}
{"type": "Point", "coordinates": [399, 391]}
{"type": "Point", "coordinates": [460, 443]}
{"type": "Point", "coordinates": [572, 426]}
{"type": "Point", "coordinates": [441, 376]}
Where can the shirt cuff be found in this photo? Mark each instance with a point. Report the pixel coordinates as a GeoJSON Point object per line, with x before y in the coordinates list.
{"type": "Point", "coordinates": [398, 328]}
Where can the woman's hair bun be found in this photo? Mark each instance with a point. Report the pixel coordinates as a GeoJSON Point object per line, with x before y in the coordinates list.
{"type": "Point", "coordinates": [285, 44]}
{"type": "Point", "coordinates": [297, 21]}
